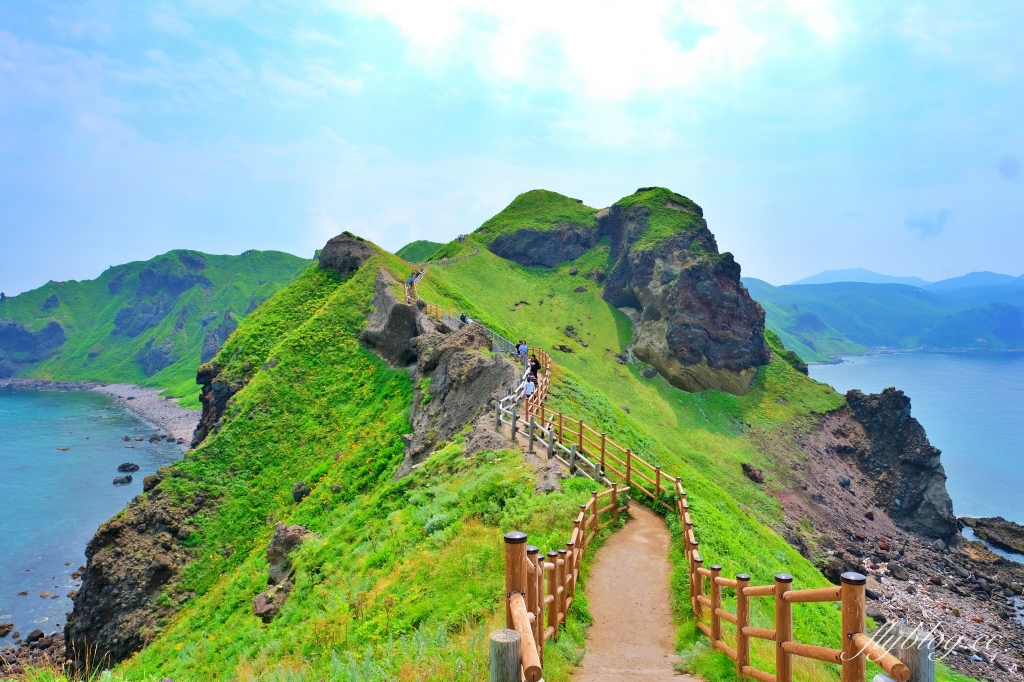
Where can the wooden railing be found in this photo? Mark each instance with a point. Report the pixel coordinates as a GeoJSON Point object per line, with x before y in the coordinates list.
{"type": "Point", "coordinates": [533, 583]}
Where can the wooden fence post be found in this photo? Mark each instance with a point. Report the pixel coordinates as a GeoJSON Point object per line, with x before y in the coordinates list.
{"type": "Point", "coordinates": [553, 593]}
{"type": "Point", "coordinates": [571, 566]}
{"type": "Point", "coordinates": [698, 586]}
{"type": "Point", "coordinates": [505, 656]}
{"type": "Point", "coordinates": [561, 428]}
{"type": "Point", "coordinates": [533, 595]}
{"type": "Point", "coordinates": [560, 573]}
{"type": "Point", "coordinates": [695, 580]}
{"type": "Point", "coordinates": [657, 480]}
{"type": "Point", "coordinates": [551, 440]}
{"type": "Point", "coordinates": [515, 570]}
{"type": "Point", "coordinates": [602, 453]}
{"type": "Point", "coordinates": [497, 416]}
{"type": "Point", "coordinates": [581, 436]}
{"type": "Point", "coordinates": [515, 419]}
{"type": "Point", "coordinates": [615, 503]}
{"type": "Point", "coordinates": [531, 430]}
{"type": "Point", "coordinates": [784, 629]}
{"type": "Point", "coordinates": [852, 594]}
{"type": "Point", "coordinates": [917, 650]}
{"type": "Point", "coordinates": [629, 467]}
{"type": "Point", "coordinates": [742, 621]}
{"type": "Point", "coordinates": [716, 603]}
{"type": "Point", "coordinates": [583, 528]}
{"type": "Point", "coordinates": [597, 519]}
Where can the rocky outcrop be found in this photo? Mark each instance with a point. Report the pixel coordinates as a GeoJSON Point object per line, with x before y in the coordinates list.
{"type": "Point", "coordinates": [550, 247]}
{"type": "Point", "coordinates": [345, 254]}
{"type": "Point", "coordinates": [694, 321]}
{"type": "Point", "coordinates": [214, 395]}
{"type": "Point", "coordinates": [130, 560]}
{"type": "Point", "coordinates": [392, 324]}
{"type": "Point", "coordinates": [908, 479]}
{"type": "Point", "coordinates": [156, 356]}
{"type": "Point", "coordinates": [286, 539]}
{"type": "Point", "coordinates": [997, 531]}
{"type": "Point", "coordinates": [456, 380]}
{"type": "Point", "coordinates": [50, 303]}
{"type": "Point", "coordinates": [166, 275]}
{"type": "Point", "coordinates": [143, 314]}
{"type": "Point", "coordinates": [19, 346]}
{"type": "Point", "coordinates": [214, 338]}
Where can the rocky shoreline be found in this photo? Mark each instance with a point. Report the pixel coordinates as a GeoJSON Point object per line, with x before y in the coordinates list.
{"type": "Point", "coordinates": [163, 412]}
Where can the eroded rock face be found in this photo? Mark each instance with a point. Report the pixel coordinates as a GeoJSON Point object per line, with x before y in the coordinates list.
{"type": "Point", "coordinates": [129, 560]}
{"type": "Point", "coordinates": [216, 391]}
{"type": "Point", "coordinates": [392, 324]}
{"type": "Point", "coordinates": [286, 539]}
{"type": "Point", "coordinates": [696, 323]}
{"type": "Point", "coordinates": [27, 346]}
{"type": "Point", "coordinates": [345, 254]}
{"type": "Point", "coordinates": [548, 247]}
{"type": "Point", "coordinates": [464, 381]}
{"type": "Point", "coordinates": [908, 479]}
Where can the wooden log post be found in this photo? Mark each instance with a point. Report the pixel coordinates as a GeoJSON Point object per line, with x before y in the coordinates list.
{"type": "Point", "coordinates": [572, 567]}
{"type": "Point", "coordinates": [615, 503]}
{"type": "Point", "coordinates": [561, 428]}
{"type": "Point", "coordinates": [551, 440]}
{"type": "Point", "coordinates": [505, 656]}
{"type": "Point", "coordinates": [597, 519]}
{"type": "Point", "coordinates": [581, 436]}
{"type": "Point", "coordinates": [629, 468]}
{"type": "Point", "coordinates": [694, 577]}
{"type": "Point", "coordinates": [515, 420]}
{"type": "Point", "coordinates": [515, 570]}
{"type": "Point", "coordinates": [657, 481]}
{"type": "Point", "coordinates": [532, 430]}
{"type": "Point", "coordinates": [784, 629]}
{"type": "Point", "coordinates": [603, 469]}
{"type": "Point", "coordinates": [852, 596]}
{"type": "Point", "coordinates": [698, 587]}
{"type": "Point", "coordinates": [716, 603]}
{"type": "Point", "coordinates": [560, 574]}
{"type": "Point", "coordinates": [742, 621]}
{"type": "Point", "coordinates": [583, 527]}
{"type": "Point", "coordinates": [533, 596]}
{"type": "Point", "coordinates": [917, 650]}
{"type": "Point", "coordinates": [553, 593]}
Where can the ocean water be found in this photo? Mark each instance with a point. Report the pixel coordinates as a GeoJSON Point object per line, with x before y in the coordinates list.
{"type": "Point", "coordinates": [52, 501]}
{"type": "Point", "coordinates": [972, 406]}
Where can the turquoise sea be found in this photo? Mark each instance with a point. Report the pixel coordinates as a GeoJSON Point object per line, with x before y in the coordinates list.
{"type": "Point", "coordinates": [52, 500]}
{"type": "Point", "coordinates": [972, 406]}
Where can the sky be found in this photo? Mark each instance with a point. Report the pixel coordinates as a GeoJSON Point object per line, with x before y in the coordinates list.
{"type": "Point", "coordinates": [816, 135]}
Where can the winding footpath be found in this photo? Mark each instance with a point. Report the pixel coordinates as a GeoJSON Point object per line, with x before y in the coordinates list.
{"type": "Point", "coordinates": [633, 635]}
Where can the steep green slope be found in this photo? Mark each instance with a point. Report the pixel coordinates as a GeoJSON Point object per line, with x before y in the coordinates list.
{"type": "Point", "coordinates": [669, 214]}
{"type": "Point", "coordinates": [148, 322]}
{"type": "Point", "coordinates": [405, 577]}
{"type": "Point", "coordinates": [538, 210]}
{"type": "Point", "coordinates": [418, 251]}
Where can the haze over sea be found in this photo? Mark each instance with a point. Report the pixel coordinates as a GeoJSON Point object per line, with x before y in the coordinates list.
{"type": "Point", "coordinates": [53, 500]}
{"type": "Point", "coordinates": [972, 406]}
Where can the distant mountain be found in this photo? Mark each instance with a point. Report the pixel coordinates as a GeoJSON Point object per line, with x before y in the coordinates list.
{"type": "Point", "coordinates": [860, 275]}
{"type": "Point", "coordinates": [821, 321]}
{"type": "Point", "coordinates": [418, 251]}
{"type": "Point", "coordinates": [150, 322]}
{"type": "Point", "coordinates": [977, 280]}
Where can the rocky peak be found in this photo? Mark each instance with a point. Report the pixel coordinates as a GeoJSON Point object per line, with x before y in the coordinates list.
{"type": "Point", "coordinates": [694, 320]}
{"type": "Point", "coordinates": [345, 253]}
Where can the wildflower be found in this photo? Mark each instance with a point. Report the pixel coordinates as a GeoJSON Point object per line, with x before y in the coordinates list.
{"type": "Point", "coordinates": [177, 647]}
{"type": "Point", "coordinates": [228, 639]}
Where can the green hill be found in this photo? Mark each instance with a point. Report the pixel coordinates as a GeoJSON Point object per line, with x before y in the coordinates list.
{"type": "Point", "coordinates": [821, 321]}
{"type": "Point", "coordinates": [418, 251]}
{"type": "Point", "coordinates": [149, 322]}
{"type": "Point", "coordinates": [538, 210]}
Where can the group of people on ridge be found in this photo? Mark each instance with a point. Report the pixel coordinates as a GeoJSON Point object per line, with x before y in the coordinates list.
{"type": "Point", "coordinates": [534, 367]}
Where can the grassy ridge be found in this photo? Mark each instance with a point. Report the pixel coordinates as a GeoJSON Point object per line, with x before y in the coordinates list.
{"type": "Point", "coordinates": [538, 210]}
{"type": "Point", "coordinates": [699, 436]}
{"type": "Point", "coordinates": [669, 213]}
{"type": "Point", "coordinates": [418, 251]}
{"type": "Point", "coordinates": [96, 350]}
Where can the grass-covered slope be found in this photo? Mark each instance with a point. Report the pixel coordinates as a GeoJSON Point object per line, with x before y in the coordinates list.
{"type": "Point", "coordinates": [146, 322]}
{"type": "Point", "coordinates": [418, 251]}
{"type": "Point", "coordinates": [700, 436]}
{"type": "Point", "coordinates": [669, 213]}
{"type": "Point", "coordinates": [403, 579]}
{"type": "Point", "coordinates": [538, 210]}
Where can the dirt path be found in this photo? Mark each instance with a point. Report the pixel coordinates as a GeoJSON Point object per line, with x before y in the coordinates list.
{"type": "Point", "coordinates": [628, 591]}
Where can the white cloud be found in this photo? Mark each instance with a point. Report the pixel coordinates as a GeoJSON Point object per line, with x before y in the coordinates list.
{"type": "Point", "coordinates": [606, 49]}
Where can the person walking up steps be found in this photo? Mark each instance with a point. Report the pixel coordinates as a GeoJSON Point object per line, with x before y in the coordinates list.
{"type": "Point", "coordinates": [529, 387]}
{"type": "Point", "coordinates": [522, 349]}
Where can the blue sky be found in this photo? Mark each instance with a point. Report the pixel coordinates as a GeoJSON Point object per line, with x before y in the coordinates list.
{"type": "Point", "coordinates": [816, 135]}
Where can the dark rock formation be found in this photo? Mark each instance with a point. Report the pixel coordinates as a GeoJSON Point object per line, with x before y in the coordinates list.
{"type": "Point", "coordinates": [166, 275]}
{"type": "Point", "coordinates": [545, 247]}
{"type": "Point", "coordinates": [127, 467]}
{"type": "Point", "coordinates": [694, 320]}
{"type": "Point", "coordinates": [392, 324]}
{"type": "Point", "coordinates": [464, 381]}
{"type": "Point", "coordinates": [300, 491]}
{"type": "Point", "coordinates": [998, 531]}
{"type": "Point", "coordinates": [129, 561]}
{"type": "Point", "coordinates": [752, 472]}
{"type": "Point", "coordinates": [214, 338]}
{"type": "Point", "coordinates": [286, 539]}
{"type": "Point", "coordinates": [345, 254]}
{"type": "Point", "coordinates": [150, 482]}
{"type": "Point", "coordinates": [214, 395]}
{"type": "Point", "coordinates": [156, 356]}
{"type": "Point", "coordinates": [135, 319]}
{"type": "Point", "coordinates": [123, 480]}
{"type": "Point", "coordinates": [19, 347]}
{"type": "Point", "coordinates": [50, 303]}
{"type": "Point", "coordinates": [193, 260]}
{"type": "Point", "coordinates": [908, 479]}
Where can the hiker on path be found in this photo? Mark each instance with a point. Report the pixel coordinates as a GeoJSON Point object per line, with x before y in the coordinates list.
{"type": "Point", "coordinates": [534, 365]}
{"type": "Point", "coordinates": [529, 387]}
{"type": "Point", "coordinates": [463, 320]}
{"type": "Point", "coordinates": [522, 349]}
